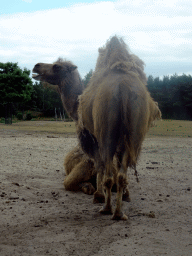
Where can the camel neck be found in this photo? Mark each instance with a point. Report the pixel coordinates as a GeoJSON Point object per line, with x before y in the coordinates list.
{"type": "Point", "coordinates": [70, 89]}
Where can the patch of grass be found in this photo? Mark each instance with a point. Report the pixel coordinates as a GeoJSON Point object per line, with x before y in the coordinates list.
{"type": "Point", "coordinates": [43, 126]}
{"type": "Point", "coordinates": [172, 128]}
{"type": "Point", "coordinates": [169, 128]}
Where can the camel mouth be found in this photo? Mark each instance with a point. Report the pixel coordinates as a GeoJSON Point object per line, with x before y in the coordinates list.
{"type": "Point", "coordinates": [36, 76]}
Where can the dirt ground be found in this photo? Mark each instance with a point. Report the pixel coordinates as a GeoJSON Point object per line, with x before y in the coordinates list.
{"type": "Point", "coordinates": [38, 217]}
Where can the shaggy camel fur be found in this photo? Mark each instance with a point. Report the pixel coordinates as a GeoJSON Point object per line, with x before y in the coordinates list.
{"type": "Point", "coordinates": [115, 112]}
{"type": "Point", "coordinates": [65, 75]}
{"type": "Point", "coordinates": [81, 173]}
{"type": "Point", "coordinates": [79, 168]}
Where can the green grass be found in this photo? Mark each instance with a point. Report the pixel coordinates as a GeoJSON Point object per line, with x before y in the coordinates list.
{"type": "Point", "coordinates": [58, 127]}
{"type": "Point", "coordinates": [172, 128]}
{"type": "Point", "coordinates": [169, 128]}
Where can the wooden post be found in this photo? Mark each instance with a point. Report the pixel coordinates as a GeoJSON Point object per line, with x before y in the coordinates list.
{"type": "Point", "coordinates": [8, 113]}
{"type": "Point", "coordinates": [55, 114]}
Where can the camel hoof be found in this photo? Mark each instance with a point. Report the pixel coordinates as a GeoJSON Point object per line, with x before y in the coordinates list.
{"type": "Point", "coordinates": [88, 189]}
{"type": "Point", "coordinates": [119, 216]}
{"type": "Point", "coordinates": [98, 198]}
{"type": "Point", "coordinates": [126, 198]}
{"type": "Point", "coordinates": [106, 210]}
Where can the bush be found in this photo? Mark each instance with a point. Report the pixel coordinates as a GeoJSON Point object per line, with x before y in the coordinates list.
{"type": "Point", "coordinates": [2, 120]}
{"type": "Point", "coordinates": [29, 116]}
{"type": "Point", "coordinates": [19, 116]}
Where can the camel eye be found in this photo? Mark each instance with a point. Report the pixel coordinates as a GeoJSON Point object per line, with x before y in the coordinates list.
{"type": "Point", "coordinates": [71, 68]}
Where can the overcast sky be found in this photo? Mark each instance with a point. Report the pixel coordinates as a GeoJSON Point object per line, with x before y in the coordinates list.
{"type": "Point", "coordinates": [158, 31]}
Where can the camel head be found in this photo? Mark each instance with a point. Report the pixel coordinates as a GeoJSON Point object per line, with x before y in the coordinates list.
{"type": "Point", "coordinates": [53, 73]}
{"type": "Point", "coordinates": [65, 75]}
{"type": "Point", "coordinates": [155, 114]}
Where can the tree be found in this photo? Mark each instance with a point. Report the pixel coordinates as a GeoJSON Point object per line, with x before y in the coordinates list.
{"type": "Point", "coordinates": [15, 83]}
{"type": "Point", "coordinates": [45, 98]}
{"type": "Point", "coordinates": [174, 95]}
{"type": "Point", "coordinates": [87, 77]}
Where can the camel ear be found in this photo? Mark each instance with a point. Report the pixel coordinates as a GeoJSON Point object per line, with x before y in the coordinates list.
{"type": "Point", "coordinates": [56, 68]}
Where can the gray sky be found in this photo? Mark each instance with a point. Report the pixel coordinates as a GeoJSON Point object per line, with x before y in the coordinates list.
{"type": "Point", "coordinates": [158, 31]}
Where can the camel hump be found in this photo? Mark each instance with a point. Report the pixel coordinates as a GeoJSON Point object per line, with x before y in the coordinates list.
{"type": "Point", "coordinates": [124, 66]}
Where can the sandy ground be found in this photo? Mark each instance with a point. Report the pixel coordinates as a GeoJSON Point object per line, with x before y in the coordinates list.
{"type": "Point", "coordinates": [38, 217]}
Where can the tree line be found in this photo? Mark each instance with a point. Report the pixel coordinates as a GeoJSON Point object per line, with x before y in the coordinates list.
{"type": "Point", "coordinates": [18, 89]}
{"type": "Point", "coordinates": [173, 93]}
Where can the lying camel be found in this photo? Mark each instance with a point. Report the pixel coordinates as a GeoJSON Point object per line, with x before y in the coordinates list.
{"type": "Point", "coordinates": [80, 171]}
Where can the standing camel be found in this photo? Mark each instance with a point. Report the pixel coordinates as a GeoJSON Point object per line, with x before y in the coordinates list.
{"type": "Point", "coordinates": [115, 112]}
